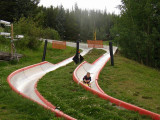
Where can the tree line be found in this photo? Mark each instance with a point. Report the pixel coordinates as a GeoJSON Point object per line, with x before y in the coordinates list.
{"type": "Point", "coordinates": [74, 24]}
{"type": "Point", "coordinates": [77, 23]}
{"type": "Point", "coordinates": [137, 31]}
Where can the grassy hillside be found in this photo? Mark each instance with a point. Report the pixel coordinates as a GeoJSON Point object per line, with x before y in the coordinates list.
{"type": "Point", "coordinates": [15, 107]}
{"type": "Point", "coordinates": [132, 82]}
{"type": "Point", "coordinates": [59, 88]}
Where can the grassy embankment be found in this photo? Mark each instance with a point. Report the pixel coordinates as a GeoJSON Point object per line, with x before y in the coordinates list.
{"type": "Point", "coordinates": [59, 88]}
{"type": "Point", "coordinates": [132, 82]}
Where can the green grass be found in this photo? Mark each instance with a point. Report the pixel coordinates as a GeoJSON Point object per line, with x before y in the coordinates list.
{"type": "Point", "coordinates": [14, 106]}
{"type": "Point", "coordinates": [105, 42]}
{"type": "Point", "coordinates": [4, 44]}
{"type": "Point", "coordinates": [93, 55]}
{"type": "Point", "coordinates": [1, 29]}
{"type": "Point", "coordinates": [132, 82]}
{"type": "Point", "coordinates": [59, 88]}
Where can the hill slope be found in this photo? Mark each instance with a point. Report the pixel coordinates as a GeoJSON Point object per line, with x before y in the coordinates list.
{"type": "Point", "coordinates": [59, 88]}
{"type": "Point", "coordinates": [132, 82]}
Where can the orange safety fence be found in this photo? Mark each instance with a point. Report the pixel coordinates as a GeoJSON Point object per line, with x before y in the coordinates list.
{"type": "Point", "coordinates": [95, 43]}
{"type": "Point", "coordinates": [59, 44]}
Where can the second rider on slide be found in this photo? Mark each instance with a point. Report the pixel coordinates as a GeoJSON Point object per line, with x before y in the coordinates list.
{"type": "Point", "coordinates": [87, 79]}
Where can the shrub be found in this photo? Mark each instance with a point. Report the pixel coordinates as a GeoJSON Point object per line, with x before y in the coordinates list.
{"type": "Point", "coordinates": [3, 39]}
{"type": "Point", "coordinates": [49, 33]}
{"type": "Point", "coordinates": [4, 44]}
{"type": "Point", "coordinates": [31, 31]}
{"type": "Point", "coordinates": [28, 42]}
{"type": "Point", "coordinates": [1, 29]}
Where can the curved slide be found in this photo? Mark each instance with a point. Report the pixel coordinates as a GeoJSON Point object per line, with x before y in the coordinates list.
{"type": "Point", "coordinates": [95, 69]}
{"type": "Point", "coordinates": [24, 81]}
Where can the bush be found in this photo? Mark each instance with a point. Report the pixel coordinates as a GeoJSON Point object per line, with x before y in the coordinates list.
{"type": "Point", "coordinates": [4, 44]}
{"type": "Point", "coordinates": [26, 26]}
{"type": "Point", "coordinates": [28, 42]}
{"type": "Point", "coordinates": [1, 29]}
{"type": "Point", "coordinates": [49, 33]}
{"type": "Point", "coordinates": [3, 39]}
{"type": "Point", "coordinates": [31, 31]}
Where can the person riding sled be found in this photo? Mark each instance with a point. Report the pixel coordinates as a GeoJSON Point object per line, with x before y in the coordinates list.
{"type": "Point", "coordinates": [87, 79]}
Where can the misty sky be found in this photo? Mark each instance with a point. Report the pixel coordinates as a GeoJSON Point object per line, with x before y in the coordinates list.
{"type": "Point", "coordinates": [110, 5]}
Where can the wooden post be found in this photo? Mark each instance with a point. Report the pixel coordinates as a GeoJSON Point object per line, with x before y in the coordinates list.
{"type": "Point", "coordinates": [95, 35]}
{"type": "Point", "coordinates": [94, 38]}
{"type": "Point", "coordinates": [12, 41]}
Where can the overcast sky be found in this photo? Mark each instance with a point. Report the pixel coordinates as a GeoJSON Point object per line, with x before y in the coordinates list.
{"type": "Point", "coordinates": [110, 5]}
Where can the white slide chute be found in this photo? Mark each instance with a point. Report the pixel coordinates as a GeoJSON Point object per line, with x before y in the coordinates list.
{"type": "Point", "coordinates": [95, 69]}
{"type": "Point", "coordinates": [24, 81]}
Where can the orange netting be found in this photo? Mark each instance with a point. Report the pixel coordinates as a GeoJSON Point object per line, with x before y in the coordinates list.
{"type": "Point", "coordinates": [59, 44]}
{"type": "Point", "coordinates": [95, 43]}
